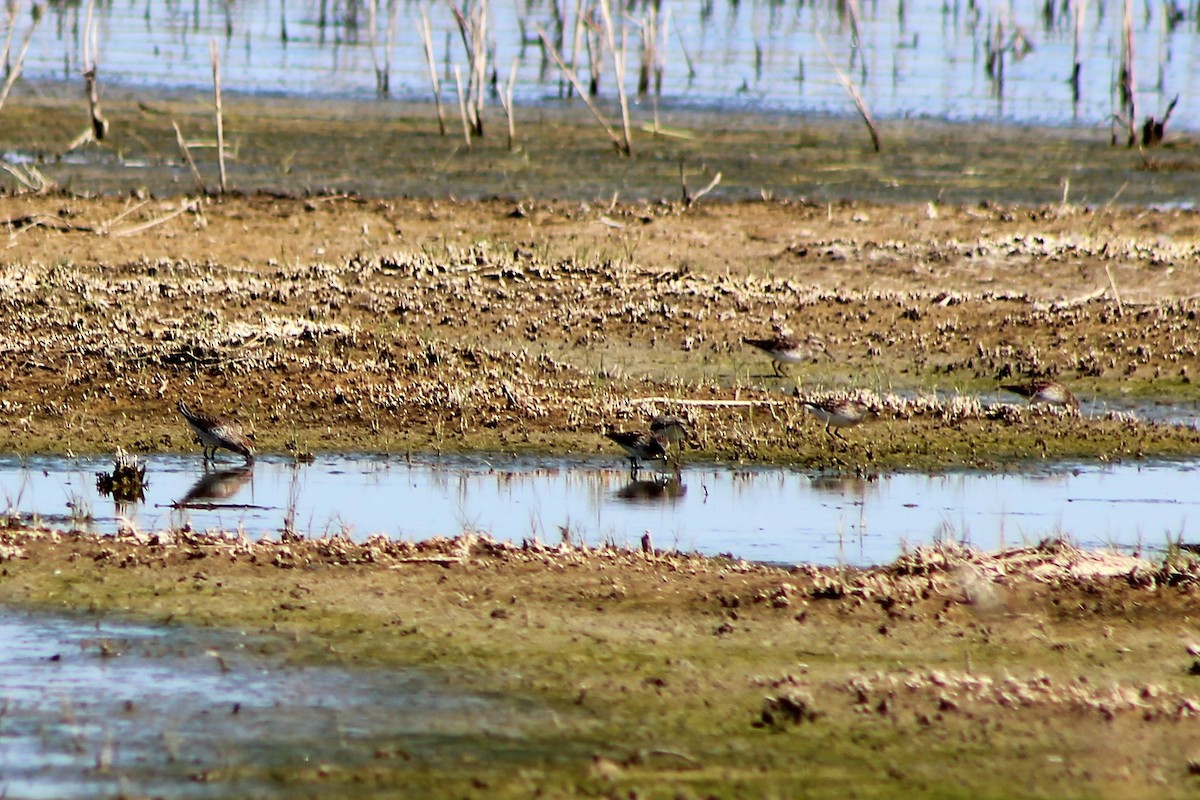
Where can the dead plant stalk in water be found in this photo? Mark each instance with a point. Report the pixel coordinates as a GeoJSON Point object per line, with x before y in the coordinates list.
{"type": "Point", "coordinates": [427, 41]}
{"type": "Point", "coordinates": [15, 72]}
{"type": "Point", "coordinates": [622, 146]}
{"type": "Point", "coordinates": [214, 56]}
{"type": "Point", "coordinates": [859, 103]}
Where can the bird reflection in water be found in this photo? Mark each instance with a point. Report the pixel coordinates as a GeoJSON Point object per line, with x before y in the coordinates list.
{"type": "Point", "coordinates": [667, 488]}
{"type": "Point", "coordinates": [844, 485]}
{"type": "Point", "coordinates": [217, 485]}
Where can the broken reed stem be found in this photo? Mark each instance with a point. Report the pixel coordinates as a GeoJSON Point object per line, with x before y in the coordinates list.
{"type": "Point", "coordinates": [10, 26]}
{"type": "Point", "coordinates": [549, 48]}
{"type": "Point", "coordinates": [1116, 294]}
{"type": "Point", "coordinates": [16, 70]}
{"type": "Point", "coordinates": [462, 105]}
{"type": "Point", "coordinates": [188, 205]}
{"type": "Point", "coordinates": [506, 102]}
{"type": "Point", "coordinates": [687, 57]}
{"type": "Point", "coordinates": [90, 76]}
{"type": "Point", "coordinates": [381, 77]}
{"type": "Point", "coordinates": [1128, 101]}
{"type": "Point", "coordinates": [214, 56]}
{"type": "Point", "coordinates": [577, 35]}
{"type": "Point", "coordinates": [1077, 68]}
{"type": "Point", "coordinates": [689, 199]}
{"type": "Point", "coordinates": [427, 40]}
{"type": "Point", "coordinates": [187, 156]}
{"type": "Point", "coordinates": [619, 72]}
{"type": "Point", "coordinates": [472, 28]}
{"type": "Point", "coordinates": [859, 103]}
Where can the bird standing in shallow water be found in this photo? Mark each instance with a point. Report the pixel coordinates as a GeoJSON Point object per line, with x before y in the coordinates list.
{"type": "Point", "coordinates": [215, 433]}
{"type": "Point", "coordinates": [670, 428]}
{"type": "Point", "coordinates": [786, 349]}
{"type": "Point", "coordinates": [843, 413]}
{"type": "Point", "coordinates": [1044, 391]}
{"type": "Point", "coordinates": [640, 446]}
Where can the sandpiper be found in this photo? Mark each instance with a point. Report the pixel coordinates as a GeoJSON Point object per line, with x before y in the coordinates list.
{"type": "Point", "coordinates": [217, 432]}
{"type": "Point", "coordinates": [840, 413]}
{"type": "Point", "coordinates": [640, 446]}
{"type": "Point", "coordinates": [670, 427]}
{"type": "Point", "coordinates": [1044, 391]}
{"type": "Point", "coordinates": [786, 349]}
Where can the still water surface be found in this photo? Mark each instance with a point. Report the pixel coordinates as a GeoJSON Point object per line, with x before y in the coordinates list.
{"type": "Point", "coordinates": [92, 708]}
{"type": "Point", "coordinates": [764, 514]}
{"type": "Point", "coordinates": [926, 58]}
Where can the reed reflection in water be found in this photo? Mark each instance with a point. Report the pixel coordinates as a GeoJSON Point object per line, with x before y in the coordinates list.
{"type": "Point", "coordinates": [766, 514]}
{"type": "Point", "coordinates": [1043, 63]}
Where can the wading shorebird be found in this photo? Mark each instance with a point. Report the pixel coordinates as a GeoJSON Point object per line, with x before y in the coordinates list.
{"type": "Point", "coordinates": [215, 433]}
{"type": "Point", "coordinates": [784, 348]}
{"type": "Point", "coordinates": [841, 413]}
{"type": "Point", "coordinates": [1044, 391]}
{"type": "Point", "coordinates": [640, 447]}
{"type": "Point", "coordinates": [670, 428]}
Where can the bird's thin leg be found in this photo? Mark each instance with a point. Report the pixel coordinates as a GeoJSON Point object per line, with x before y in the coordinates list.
{"type": "Point", "coordinates": [778, 369]}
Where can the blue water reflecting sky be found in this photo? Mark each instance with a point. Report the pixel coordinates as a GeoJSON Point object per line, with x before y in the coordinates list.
{"type": "Point", "coordinates": [767, 514]}
{"type": "Point", "coordinates": [926, 58]}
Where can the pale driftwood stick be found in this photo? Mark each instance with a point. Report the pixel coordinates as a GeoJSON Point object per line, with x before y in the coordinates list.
{"type": "Point", "coordinates": [16, 70]}
{"type": "Point", "coordinates": [690, 200]}
{"type": "Point", "coordinates": [187, 155]}
{"type": "Point", "coordinates": [427, 39]}
{"type": "Point", "coordinates": [29, 176]}
{"type": "Point", "coordinates": [859, 103]}
{"type": "Point", "coordinates": [549, 48]}
{"type": "Point", "coordinates": [105, 227]}
{"type": "Point", "coordinates": [216, 70]}
{"type": "Point", "coordinates": [708, 403]}
{"type": "Point", "coordinates": [462, 105]}
{"type": "Point", "coordinates": [188, 205]}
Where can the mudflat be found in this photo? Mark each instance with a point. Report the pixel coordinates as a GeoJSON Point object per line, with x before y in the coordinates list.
{"type": "Point", "coordinates": [327, 313]}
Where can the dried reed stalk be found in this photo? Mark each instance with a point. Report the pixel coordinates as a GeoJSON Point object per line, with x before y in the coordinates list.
{"type": "Point", "coordinates": [689, 199]}
{"type": "Point", "coordinates": [462, 105]}
{"type": "Point", "coordinates": [383, 74]}
{"type": "Point", "coordinates": [187, 156]}
{"type": "Point", "coordinates": [427, 40]}
{"type": "Point", "coordinates": [30, 177]}
{"type": "Point", "coordinates": [214, 56]}
{"type": "Point", "coordinates": [859, 103]}
{"type": "Point", "coordinates": [646, 54]}
{"type": "Point", "coordinates": [188, 205]}
{"type": "Point", "coordinates": [506, 102]}
{"type": "Point", "coordinates": [578, 32]}
{"type": "Point", "coordinates": [549, 48]}
{"type": "Point", "coordinates": [473, 29]}
{"type": "Point", "coordinates": [687, 57]}
{"type": "Point", "coordinates": [1077, 19]}
{"type": "Point", "coordinates": [618, 55]}
{"type": "Point", "coordinates": [15, 72]}
{"type": "Point", "coordinates": [1125, 81]}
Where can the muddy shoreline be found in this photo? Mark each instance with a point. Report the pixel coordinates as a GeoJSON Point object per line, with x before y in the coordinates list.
{"type": "Point", "coordinates": [361, 319]}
